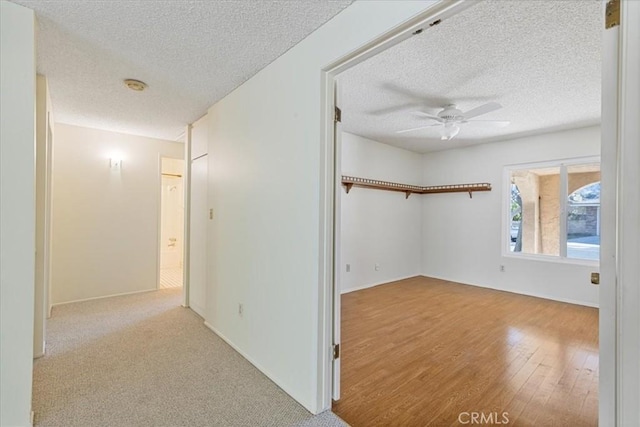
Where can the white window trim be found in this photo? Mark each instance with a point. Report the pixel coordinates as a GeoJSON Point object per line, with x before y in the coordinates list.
{"type": "Point", "coordinates": [506, 210]}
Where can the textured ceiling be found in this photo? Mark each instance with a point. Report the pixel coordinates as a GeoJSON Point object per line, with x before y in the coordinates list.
{"type": "Point", "coordinates": [539, 59]}
{"type": "Point", "coordinates": [190, 53]}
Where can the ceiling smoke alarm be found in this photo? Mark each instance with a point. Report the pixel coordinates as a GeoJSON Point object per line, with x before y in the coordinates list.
{"type": "Point", "coordinates": [136, 85]}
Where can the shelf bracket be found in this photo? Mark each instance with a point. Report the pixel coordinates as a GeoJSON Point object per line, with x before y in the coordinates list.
{"type": "Point", "coordinates": [408, 193]}
{"type": "Point", "coordinates": [347, 186]}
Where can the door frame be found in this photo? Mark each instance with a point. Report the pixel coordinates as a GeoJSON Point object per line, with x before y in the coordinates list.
{"type": "Point", "coordinates": [186, 187]}
{"type": "Point", "coordinates": [610, 411]}
{"type": "Point", "coordinates": [625, 316]}
{"type": "Point", "coordinates": [329, 286]}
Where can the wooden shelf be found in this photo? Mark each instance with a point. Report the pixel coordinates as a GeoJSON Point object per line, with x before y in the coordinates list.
{"type": "Point", "coordinates": [350, 181]}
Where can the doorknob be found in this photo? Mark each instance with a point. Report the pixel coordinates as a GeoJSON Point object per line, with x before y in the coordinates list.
{"type": "Point", "coordinates": [595, 278]}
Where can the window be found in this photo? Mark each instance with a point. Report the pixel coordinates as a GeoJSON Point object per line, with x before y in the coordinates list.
{"type": "Point", "coordinates": [554, 209]}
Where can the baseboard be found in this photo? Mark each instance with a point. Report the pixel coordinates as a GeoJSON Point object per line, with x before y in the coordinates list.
{"type": "Point", "coordinates": [359, 288]}
{"type": "Point", "coordinates": [268, 374]}
{"type": "Point", "coordinates": [529, 294]}
{"type": "Point", "coordinates": [101, 297]}
{"type": "Point", "coordinates": [197, 309]}
{"type": "Point", "coordinates": [38, 355]}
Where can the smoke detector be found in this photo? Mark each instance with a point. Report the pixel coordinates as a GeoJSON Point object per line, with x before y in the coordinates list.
{"type": "Point", "coordinates": [136, 85]}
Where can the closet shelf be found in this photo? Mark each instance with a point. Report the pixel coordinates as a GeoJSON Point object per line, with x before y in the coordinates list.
{"type": "Point", "coordinates": [352, 181]}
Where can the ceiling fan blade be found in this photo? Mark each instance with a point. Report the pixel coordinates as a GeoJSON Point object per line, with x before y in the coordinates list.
{"type": "Point", "coordinates": [429, 116]}
{"type": "Point", "coordinates": [489, 123]}
{"type": "Point", "coordinates": [418, 128]}
{"type": "Point", "coordinates": [483, 109]}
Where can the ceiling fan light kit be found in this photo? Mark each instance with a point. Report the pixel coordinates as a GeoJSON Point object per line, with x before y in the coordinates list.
{"type": "Point", "coordinates": [448, 131]}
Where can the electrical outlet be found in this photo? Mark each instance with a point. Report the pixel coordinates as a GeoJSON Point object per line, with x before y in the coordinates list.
{"type": "Point", "coordinates": [348, 268]}
{"type": "Point", "coordinates": [240, 310]}
{"type": "Point", "coordinates": [502, 268]}
{"type": "Point", "coordinates": [377, 267]}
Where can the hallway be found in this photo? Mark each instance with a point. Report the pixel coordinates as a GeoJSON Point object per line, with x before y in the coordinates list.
{"type": "Point", "coordinates": [143, 360]}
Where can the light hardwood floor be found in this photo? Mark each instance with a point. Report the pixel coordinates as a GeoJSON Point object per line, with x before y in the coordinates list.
{"type": "Point", "coordinates": [421, 351]}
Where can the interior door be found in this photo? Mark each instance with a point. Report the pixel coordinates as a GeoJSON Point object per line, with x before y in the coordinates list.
{"type": "Point", "coordinates": [337, 154]}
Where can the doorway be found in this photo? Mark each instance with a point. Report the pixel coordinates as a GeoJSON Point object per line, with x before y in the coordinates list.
{"type": "Point", "coordinates": [171, 241]}
{"type": "Point", "coordinates": [344, 267]}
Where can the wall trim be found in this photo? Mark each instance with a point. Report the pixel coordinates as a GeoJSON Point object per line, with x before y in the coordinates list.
{"type": "Point", "coordinates": [386, 282]}
{"type": "Point", "coordinates": [200, 311]}
{"type": "Point", "coordinates": [259, 367]}
{"type": "Point", "coordinates": [529, 294]}
{"type": "Point", "coordinates": [104, 296]}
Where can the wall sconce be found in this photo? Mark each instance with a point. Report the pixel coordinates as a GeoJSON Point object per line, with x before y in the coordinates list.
{"type": "Point", "coordinates": [115, 163]}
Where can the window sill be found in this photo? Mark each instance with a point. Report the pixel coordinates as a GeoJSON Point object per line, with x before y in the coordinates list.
{"type": "Point", "coordinates": [552, 259]}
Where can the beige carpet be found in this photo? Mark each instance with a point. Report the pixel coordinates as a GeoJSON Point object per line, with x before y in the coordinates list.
{"type": "Point", "coordinates": [142, 360]}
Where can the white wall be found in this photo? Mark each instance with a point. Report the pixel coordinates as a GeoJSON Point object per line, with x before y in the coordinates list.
{"type": "Point", "coordinates": [379, 227]}
{"type": "Point", "coordinates": [199, 141]}
{"type": "Point", "coordinates": [265, 142]}
{"type": "Point", "coordinates": [463, 237]}
{"type": "Point", "coordinates": [105, 223]}
{"type": "Point", "coordinates": [17, 211]}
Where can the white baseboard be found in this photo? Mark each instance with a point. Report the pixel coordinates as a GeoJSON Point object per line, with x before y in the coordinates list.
{"type": "Point", "coordinates": [371, 285]}
{"type": "Point", "coordinates": [529, 294]}
{"type": "Point", "coordinates": [101, 297]}
{"type": "Point", "coordinates": [197, 309]}
{"type": "Point", "coordinates": [258, 366]}
{"type": "Point", "coordinates": [38, 355]}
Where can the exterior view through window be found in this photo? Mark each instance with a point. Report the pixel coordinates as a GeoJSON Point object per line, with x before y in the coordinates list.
{"type": "Point", "coordinates": [554, 210]}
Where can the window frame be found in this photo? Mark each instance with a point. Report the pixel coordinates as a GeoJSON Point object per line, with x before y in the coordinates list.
{"type": "Point", "coordinates": [563, 164]}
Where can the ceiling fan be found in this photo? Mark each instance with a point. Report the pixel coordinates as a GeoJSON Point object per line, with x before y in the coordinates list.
{"type": "Point", "coordinates": [450, 119]}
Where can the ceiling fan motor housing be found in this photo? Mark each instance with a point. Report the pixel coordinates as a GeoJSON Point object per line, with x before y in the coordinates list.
{"type": "Point", "coordinates": [451, 113]}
